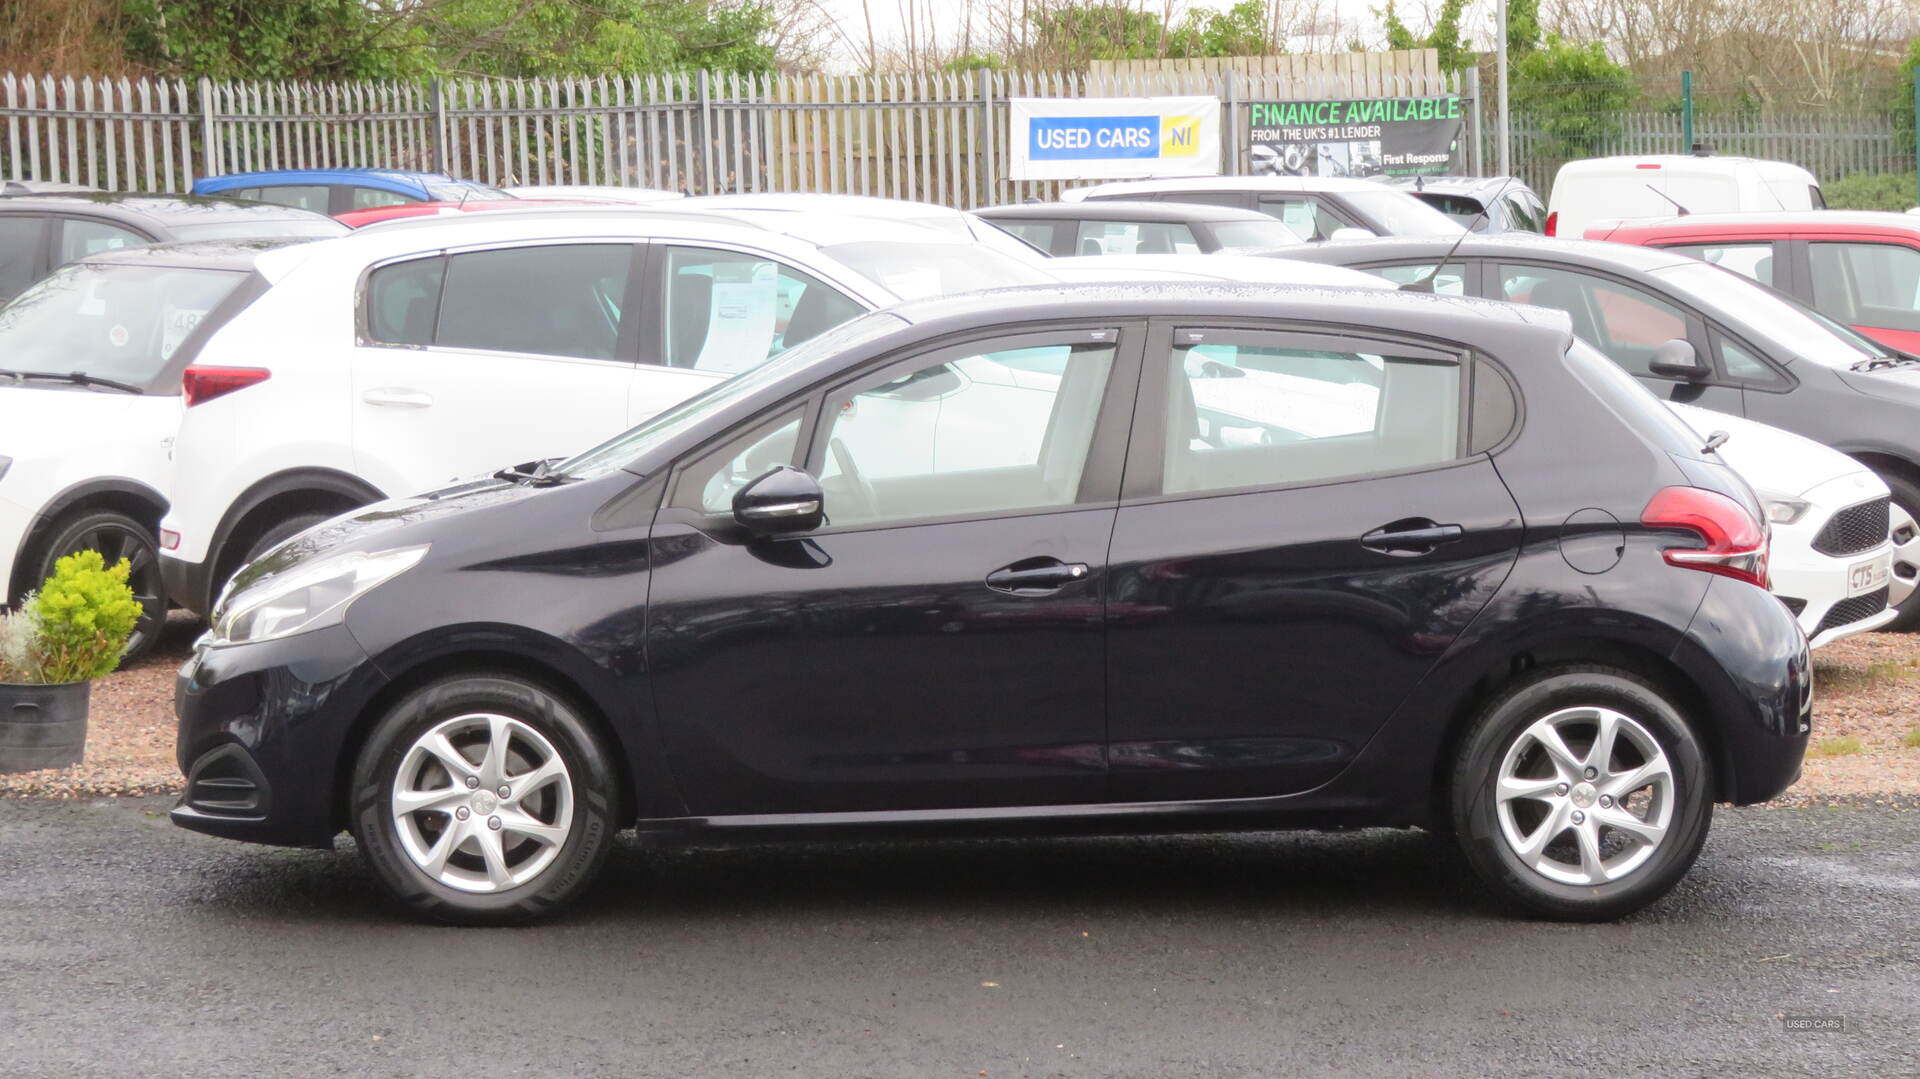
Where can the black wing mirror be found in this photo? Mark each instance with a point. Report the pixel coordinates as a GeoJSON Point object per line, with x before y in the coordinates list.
{"type": "Point", "coordinates": [1676, 359]}
{"type": "Point", "coordinates": [783, 499]}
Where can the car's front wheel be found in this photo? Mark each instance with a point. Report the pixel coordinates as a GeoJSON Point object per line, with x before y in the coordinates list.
{"type": "Point", "coordinates": [484, 800]}
{"type": "Point", "coordinates": [1581, 793]}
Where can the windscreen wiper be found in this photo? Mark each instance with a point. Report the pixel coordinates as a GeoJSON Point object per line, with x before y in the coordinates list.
{"type": "Point", "coordinates": [1879, 362]}
{"type": "Point", "coordinates": [78, 378]}
{"type": "Point", "coordinates": [540, 475]}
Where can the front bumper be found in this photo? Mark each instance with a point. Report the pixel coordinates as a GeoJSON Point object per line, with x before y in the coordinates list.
{"type": "Point", "coordinates": [262, 728]}
{"type": "Point", "coordinates": [1821, 589]}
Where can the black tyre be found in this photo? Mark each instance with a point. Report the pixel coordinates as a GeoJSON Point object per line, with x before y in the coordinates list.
{"type": "Point", "coordinates": [1903, 587]}
{"type": "Point", "coordinates": [280, 533]}
{"type": "Point", "coordinates": [115, 536]}
{"type": "Point", "coordinates": [1581, 793]}
{"type": "Point", "coordinates": [483, 800]}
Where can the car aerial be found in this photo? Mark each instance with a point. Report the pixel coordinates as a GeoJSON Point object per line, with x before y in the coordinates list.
{"type": "Point", "coordinates": [336, 191]}
{"type": "Point", "coordinates": [1697, 334]}
{"type": "Point", "coordinates": [1077, 556]}
{"type": "Point", "coordinates": [1138, 228]}
{"type": "Point", "coordinates": [1315, 208]}
{"type": "Point", "coordinates": [592, 192]}
{"type": "Point", "coordinates": [1478, 203]}
{"type": "Point", "coordinates": [1831, 556]}
{"type": "Point", "coordinates": [39, 233]}
{"type": "Point", "coordinates": [407, 354]}
{"type": "Point", "coordinates": [1860, 268]}
{"type": "Point", "coordinates": [92, 361]}
{"type": "Point", "coordinates": [1659, 185]}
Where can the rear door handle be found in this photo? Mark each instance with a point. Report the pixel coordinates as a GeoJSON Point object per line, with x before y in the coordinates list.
{"type": "Point", "coordinates": [1413, 536]}
{"type": "Point", "coordinates": [1036, 576]}
{"type": "Point", "coordinates": [398, 397]}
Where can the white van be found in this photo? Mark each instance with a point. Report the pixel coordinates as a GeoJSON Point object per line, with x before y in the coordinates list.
{"type": "Point", "coordinates": [1661, 185]}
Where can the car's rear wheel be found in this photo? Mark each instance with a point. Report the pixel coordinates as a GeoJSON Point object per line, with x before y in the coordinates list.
{"type": "Point", "coordinates": [1581, 793]}
{"type": "Point", "coordinates": [1903, 526]}
{"type": "Point", "coordinates": [483, 800]}
{"type": "Point", "coordinates": [115, 536]}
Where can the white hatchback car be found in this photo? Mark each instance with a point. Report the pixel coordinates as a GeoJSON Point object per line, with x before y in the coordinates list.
{"type": "Point", "coordinates": [418, 351]}
{"type": "Point", "coordinates": [1829, 513]}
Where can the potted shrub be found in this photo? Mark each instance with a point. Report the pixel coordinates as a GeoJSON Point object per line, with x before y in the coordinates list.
{"type": "Point", "coordinates": [60, 639]}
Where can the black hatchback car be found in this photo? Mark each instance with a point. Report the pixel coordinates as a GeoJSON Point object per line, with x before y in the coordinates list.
{"type": "Point", "coordinates": [1697, 334]}
{"type": "Point", "coordinates": [1099, 557]}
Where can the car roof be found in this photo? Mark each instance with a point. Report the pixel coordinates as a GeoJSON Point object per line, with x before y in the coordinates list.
{"type": "Point", "coordinates": [164, 210]}
{"type": "Point", "coordinates": [40, 187]}
{"type": "Point", "coordinates": [198, 254]}
{"type": "Point", "coordinates": [1485, 186]}
{"type": "Point", "coordinates": [1224, 183]}
{"type": "Point", "coordinates": [1677, 162]}
{"type": "Point", "coordinates": [603, 192]}
{"type": "Point", "coordinates": [1121, 210]}
{"type": "Point", "coordinates": [1521, 245]}
{"type": "Point", "coordinates": [1768, 222]}
{"type": "Point", "coordinates": [1454, 318]}
{"type": "Point", "coordinates": [416, 183]}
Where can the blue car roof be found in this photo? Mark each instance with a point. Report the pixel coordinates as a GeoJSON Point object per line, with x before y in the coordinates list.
{"type": "Point", "coordinates": [419, 185]}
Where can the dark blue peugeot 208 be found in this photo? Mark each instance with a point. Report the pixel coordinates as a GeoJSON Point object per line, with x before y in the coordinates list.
{"type": "Point", "coordinates": [1103, 557]}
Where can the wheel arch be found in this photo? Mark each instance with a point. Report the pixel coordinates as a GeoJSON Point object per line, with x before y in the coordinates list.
{"type": "Point", "coordinates": [137, 500]}
{"type": "Point", "coordinates": [549, 664]}
{"type": "Point", "coordinates": [284, 494]}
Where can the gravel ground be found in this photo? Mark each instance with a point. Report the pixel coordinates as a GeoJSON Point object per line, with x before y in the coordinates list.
{"type": "Point", "coordinates": [1868, 693]}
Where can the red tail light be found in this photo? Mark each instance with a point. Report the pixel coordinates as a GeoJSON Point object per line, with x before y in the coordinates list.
{"type": "Point", "coordinates": [1735, 542]}
{"type": "Point", "coordinates": [1553, 223]}
{"type": "Point", "coordinates": [203, 384]}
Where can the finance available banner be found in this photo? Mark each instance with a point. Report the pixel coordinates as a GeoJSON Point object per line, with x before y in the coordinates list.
{"type": "Point", "coordinates": [1396, 136]}
{"type": "Point", "coordinates": [1113, 138]}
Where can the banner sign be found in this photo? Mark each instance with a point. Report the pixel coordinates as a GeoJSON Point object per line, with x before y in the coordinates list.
{"type": "Point", "coordinates": [1112, 138]}
{"type": "Point", "coordinates": [1398, 136]}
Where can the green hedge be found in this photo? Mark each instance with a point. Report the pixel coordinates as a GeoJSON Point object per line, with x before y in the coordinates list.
{"type": "Point", "coordinates": [1871, 191]}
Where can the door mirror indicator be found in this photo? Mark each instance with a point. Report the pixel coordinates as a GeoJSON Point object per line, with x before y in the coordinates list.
{"type": "Point", "coordinates": [1677, 359]}
{"type": "Point", "coordinates": [782, 500]}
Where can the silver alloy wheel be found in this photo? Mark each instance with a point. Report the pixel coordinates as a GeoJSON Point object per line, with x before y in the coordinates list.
{"type": "Point", "coordinates": [1584, 796]}
{"type": "Point", "coordinates": [1906, 554]}
{"type": "Point", "coordinates": [482, 802]}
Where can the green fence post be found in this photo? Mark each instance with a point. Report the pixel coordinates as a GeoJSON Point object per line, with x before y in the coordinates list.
{"type": "Point", "coordinates": [1686, 112]}
{"type": "Point", "coordinates": [1916, 134]}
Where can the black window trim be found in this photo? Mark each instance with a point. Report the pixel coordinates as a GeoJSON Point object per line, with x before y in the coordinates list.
{"type": "Point", "coordinates": [1146, 457]}
{"type": "Point", "coordinates": [42, 259]}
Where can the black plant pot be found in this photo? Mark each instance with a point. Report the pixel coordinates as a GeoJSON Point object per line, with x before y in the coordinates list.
{"type": "Point", "coordinates": [42, 726]}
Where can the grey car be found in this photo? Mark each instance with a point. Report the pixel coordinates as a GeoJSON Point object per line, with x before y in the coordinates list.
{"type": "Point", "coordinates": [1479, 203]}
{"type": "Point", "coordinates": [1138, 228]}
{"type": "Point", "coordinates": [41, 233]}
{"type": "Point", "coordinates": [1697, 334]}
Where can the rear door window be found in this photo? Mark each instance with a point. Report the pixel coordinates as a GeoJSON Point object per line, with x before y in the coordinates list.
{"type": "Point", "coordinates": [1451, 280]}
{"type": "Point", "coordinates": [1867, 284]}
{"type": "Point", "coordinates": [1134, 238]}
{"type": "Point", "coordinates": [1037, 233]}
{"type": "Point", "coordinates": [23, 244]}
{"type": "Point", "coordinates": [1753, 260]}
{"type": "Point", "coordinates": [368, 198]}
{"type": "Point", "coordinates": [1622, 321]}
{"type": "Point", "coordinates": [82, 236]}
{"type": "Point", "coordinates": [553, 300]}
{"type": "Point", "coordinates": [315, 197]}
{"type": "Point", "coordinates": [731, 311]}
{"type": "Point", "coordinates": [1306, 216]}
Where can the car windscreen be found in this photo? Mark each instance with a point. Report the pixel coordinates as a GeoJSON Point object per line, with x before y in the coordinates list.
{"type": "Point", "coordinates": [119, 322]}
{"type": "Point", "coordinates": [252, 229]}
{"type": "Point", "coordinates": [1252, 235]}
{"type": "Point", "coordinates": [629, 446]}
{"type": "Point", "coordinates": [1400, 214]}
{"type": "Point", "coordinates": [1791, 328]}
{"type": "Point", "coordinates": [1463, 210]}
{"type": "Point", "coordinates": [917, 270]}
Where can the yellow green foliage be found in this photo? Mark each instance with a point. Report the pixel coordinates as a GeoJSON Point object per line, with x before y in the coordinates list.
{"type": "Point", "coordinates": [83, 615]}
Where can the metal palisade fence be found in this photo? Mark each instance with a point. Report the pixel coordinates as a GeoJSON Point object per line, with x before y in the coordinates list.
{"type": "Point", "coordinates": [935, 137]}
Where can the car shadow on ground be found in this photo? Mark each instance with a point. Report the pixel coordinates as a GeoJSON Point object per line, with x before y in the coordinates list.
{"type": "Point", "coordinates": [1389, 874]}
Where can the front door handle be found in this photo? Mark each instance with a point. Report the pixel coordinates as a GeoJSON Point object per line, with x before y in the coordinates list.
{"type": "Point", "coordinates": [1412, 536]}
{"type": "Point", "coordinates": [1036, 576]}
{"type": "Point", "coordinates": [398, 397]}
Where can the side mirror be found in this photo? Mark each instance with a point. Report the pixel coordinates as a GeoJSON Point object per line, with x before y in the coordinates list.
{"type": "Point", "coordinates": [784, 499]}
{"type": "Point", "coordinates": [1350, 233]}
{"type": "Point", "coordinates": [1676, 359]}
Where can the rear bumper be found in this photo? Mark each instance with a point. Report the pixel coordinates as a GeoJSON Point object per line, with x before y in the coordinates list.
{"type": "Point", "coordinates": [1751, 663]}
{"type": "Point", "coordinates": [189, 584]}
{"type": "Point", "coordinates": [261, 732]}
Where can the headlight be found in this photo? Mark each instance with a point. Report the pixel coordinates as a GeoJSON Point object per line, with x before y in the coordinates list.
{"type": "Point", "coordinates": [1782, 510]}
{"type": "Point", "coordinates": [308, 597]}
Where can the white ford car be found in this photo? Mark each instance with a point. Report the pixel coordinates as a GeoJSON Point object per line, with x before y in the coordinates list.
{"type": "Point", "coordinates": [1832, 557]}
{"type": "Point", "coordinates": [423, 350]}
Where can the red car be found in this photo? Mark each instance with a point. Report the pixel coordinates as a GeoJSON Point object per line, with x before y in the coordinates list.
{"type": "Point", "coordinates": [354, 219]}
{"type": "Point", "coordinates": [1859, 268]}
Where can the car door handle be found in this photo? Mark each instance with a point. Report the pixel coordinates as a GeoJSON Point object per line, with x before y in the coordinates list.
{"type": "Point", "coordinates": [1036, 576]}
{"type": "Point", "coordinates": [1413, 536]}
{"type": "Point", "coordinates": [398, 397]}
